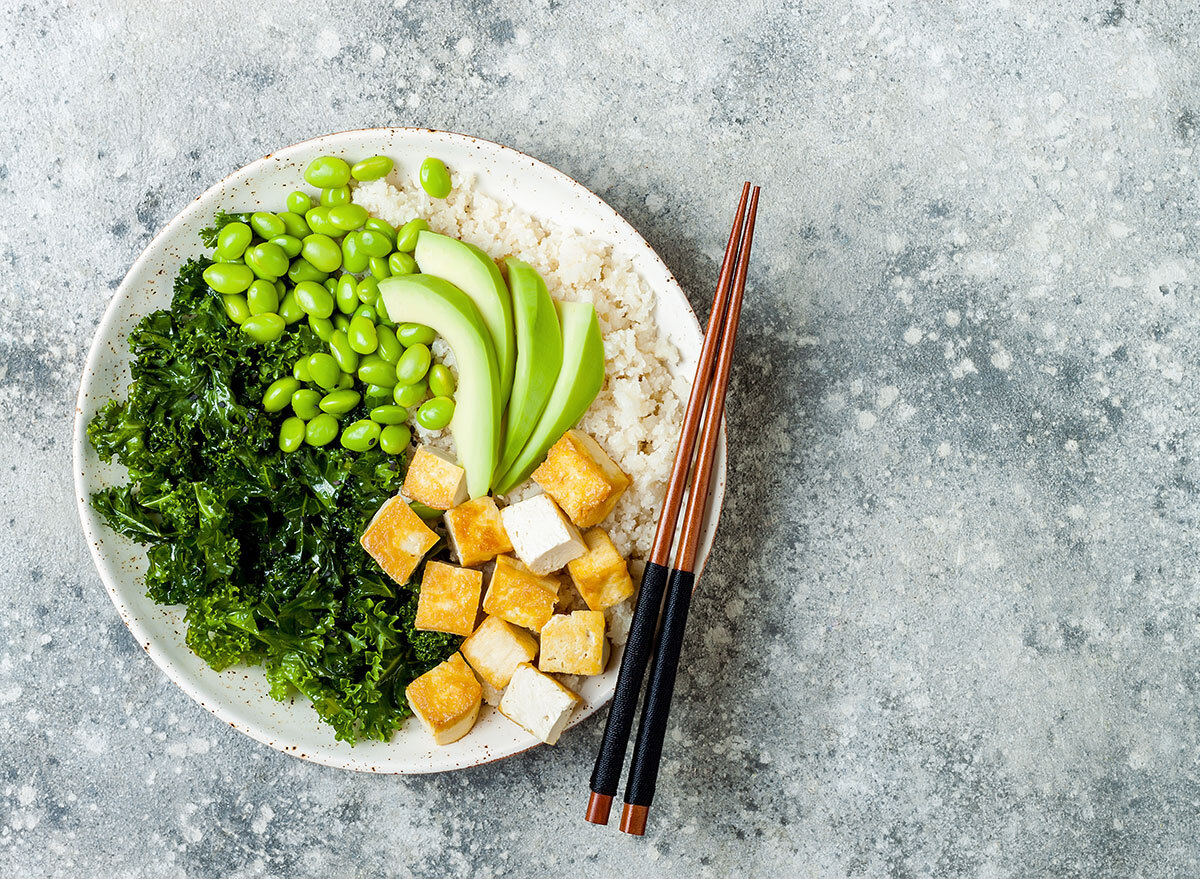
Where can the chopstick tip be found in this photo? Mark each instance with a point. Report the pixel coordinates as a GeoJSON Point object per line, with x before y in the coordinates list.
{"type": "Point", "coordinates": [598, 808]}
{"type": "Point", "coordinates": [633, 819]}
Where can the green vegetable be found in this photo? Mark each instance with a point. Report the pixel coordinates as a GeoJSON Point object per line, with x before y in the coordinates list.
{"type": "Point", "coordinates": [300, 370]}
{"type": "Point", "coordinates": [362, 335]}
{"type": "Point", "coordinates": [299, 202]}
{"type": "Point", "coordinates": [410, 395]}
{"type": "Point", "coordinates": [441, 380]}
{"type": "Point", "coordinates": [374, 243]}
{"type": "Point", "coordinates": [289, 308]}
{"type": "Point", "coordinates": [379, 268]}
{"type": "Point", "coordinates": [303, 270]}
{"type": "Point", "coordinates": [264, 327]}
{"type": "Point", "coordinates": [346, 294]}
{"type": "Point", "coordinates": [222, 219]}
{"type": "Point", "coordinates": [402, 263]}
{"type": "Point", "coordinates": [324, 370]}
{"type": "Point", "coordinates": [318, 221]}
{"type": "Point", "coordinates": [354, 259]}
{"type": "Point", "coordinates": [368, 291]}
{"type": "Point", "coordinates": [323, 327]}
{"type": "Point", "coordinates": [414, 334]}
{"type": "Point", "coordinates": [322, 252]}
{"type": "Point", "coordinates": [327, 171]}
{"type": "Point", "coordinates": [228, 278]}
{"type": "Point", "coordinates": [371, 169]}
{"type": "Point", "coordinates": [361, 436]}
{"type": "Point", "coordinates": [339, 402]}
{"type": "Point", "coordinates": [306, 403]}
{"type": "Point", "coordinates": [294, 223]}
{"type": "Point", "coordinates": [335, 196]}
{"type": "Point", "coordinates": [388, 414]}
{"type": "Point", "coordinates": [435, 179]}
{"type": "Point", "coordinates": [374, 370]}
{"type": "Point", "coordinates": [435, 413]}
{"type": "Point", "coordinates": [375, 224]}
{"type": "Point", "coordinates": [348, 216]}
{"type": "Point", "coordinates": [291, 434]}
{"type": "Point", "coordinates": [413, 364]}
{"type": "Point", "coordinates": [236, 307]}
{"type": "Point", "coordinates": [395, 438]}
{"type": "Point", "coordinates": [406, 238]}
{"type": "Point", "coordinates": [390, 348]}
{"type": "Point", "coordinates": [314, 299]}
{"type": "Point", "coordinates": [290, 245]}
{"type": "Point", "coordinates": [321, 430]}
{"type": "Point", "coordinates": [343, 353]}
{"type": "Point", "coordinates": [279, 394]}
{"type": "Point", "coordinates": [267, 225]}
{"type": "Point", "coordinates": [233, 239]}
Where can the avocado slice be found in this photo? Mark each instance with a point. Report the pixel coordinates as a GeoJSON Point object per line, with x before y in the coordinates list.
{"type": "Point", "coordinates": [471, 270]}
{"type": "Point", "coordinates": [539, 357]}
{"type": "Point", "coordinates": [450, 313]}
{"type": "Point", "coordinates": [578, 382]}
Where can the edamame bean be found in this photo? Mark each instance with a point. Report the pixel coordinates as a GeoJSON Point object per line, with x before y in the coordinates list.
{"type": "Point", "coordinates": [341, 322]}
{"type": "Point", "coordinates": [361, 436]}
{"type": "Point", "coordinates": [406, 238]}
{"type": "Point", "coordinates": [366, 311]}
{"type": "Point", "coordinates": [335, 196]}
{"type": "Point", "coordinates": [262, 297]}
{"type": "Point", "coordinates": [294, 223]}
{"type": "Point", "coordinates": [395, 438]}
{"type": "Point", "coordinates": [289, 308]}
{"type": "Point", "coordinates": [381, 314]}
{"type": "Point", "coordinates": [435, 179]}
{"type": "Point", "coordinates": [379, 268]}
{"type": "Point", "coordinates": [376, 395]}
{"type": "Point", "coordinates": [368, 291]}
{"type": "Point", "coordinates": [327, 171]}
{"type": "Point", "coordinates": [374, 243]}
{"type": "Point", "coordinates": [305, 403]}
{"type": "Point", "coordinates": [291, 434]}
{"type": "Point", "coordinates": [267, 260]}
{"type": "Point", "coordinates": [402, 263]}
{"type": "Point", "coordinates": [299, 202]}
{"type": "Point", "coordinates": [267, 225]}
{"type": "Point", "coordinates": [363, 337]}
{"type": "Point", "coordinates": [289, 244]}
{"type": "Point", "coordinates": [441, 380]}
{"type": "Point", "coordinates": [345, 380]}
{"type": "Point", "coordinates": [322, 327]}
{"type": "Point", "coordinates": [233, 239]}
{"type": "Point", "coordinates": [371, 169]}
{"type": "Point", "coordinates": [387, 414]}
{"type": "Point", "coordinates": [339, 402]}
{"type": "Point", "coordinates": [321, 430]}
{"type": "Point", "coordinates": [415, 334]}
{"type": "Point", "coordinates": [413, 364]}
{"type": "Point", "coordinates": [410, 395]}
{"type": "Point", "coordinates": [346, 295]}
{"type": "Point", "coordinates": [318, 222]}
{"type": "Point", "coordinates": [324, 370]}
{"type": "Point", "coordinates": [264, 327]}
{"type": "Point", "coordinates": [303, 270]}
{"type": "Point", "coordinates": [353, 257]}
{"type": "Point", "coordinates": [348, 216]}
{"type": "Point", "coordinates": [374, 370]}
{"type": "Point", "coordinates": [279, 394]}
{"type": "Point", "coordinates": [300, 370]}
{"type": "Point", "coordinates": [323, 252]}
{"type": "Point", "coordinates": [375, 224]}
{"type": "Point", "coordinates": [343, 353]}
{"type": "Point", "coordinates": [390, 348]}
{"type": "Point", "coordinates": [236, 308]}
{"type": "Point", "coordinates": [314, 299]}
{"type": "Point", "coordinates": [435, 413]}
{"type": "Point", "coordinates": [330, 284]}
{"type": "Point", "coordinates": [229, 278]}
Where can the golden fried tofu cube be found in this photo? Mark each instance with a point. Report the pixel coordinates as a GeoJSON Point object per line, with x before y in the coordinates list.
{"type": "Point", "coordinates": [446, 699]}
{"type": "Point", "coordinates": [449, 599]}
{"type": "Point", "coordinates": [435, 480]}
{"type": "Point", "coordinates": [476, 531]}
{"type": "Point", "coordinates": [581, 478]}
{"type": "Point", "coordinates": [495, 650]}
{"type": "Point", "coordinates": [600, 574]}
{"type": "Point", "coordinates": [519, 596]}
{"type": "Point", "coordinates": [397, 539]}
{"type": "Point", "coordinates": [574, 643]}
{"type": "Point", "coordinates": [537, 703]}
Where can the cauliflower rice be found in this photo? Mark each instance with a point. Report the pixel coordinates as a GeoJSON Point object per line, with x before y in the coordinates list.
{"type": "Point", "coordinates": [636, 416]}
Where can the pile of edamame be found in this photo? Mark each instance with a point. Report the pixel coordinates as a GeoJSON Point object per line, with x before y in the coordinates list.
{"type": "Point", "coordinates": [322, 261]}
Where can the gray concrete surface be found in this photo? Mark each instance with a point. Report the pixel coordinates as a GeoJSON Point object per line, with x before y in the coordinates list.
{"type": "Point", "coordinates": [952, 624]}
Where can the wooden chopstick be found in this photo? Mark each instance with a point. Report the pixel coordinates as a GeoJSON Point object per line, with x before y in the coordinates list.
{"type": "Point", "coordinates": [640, 642]}
{"type": "Point", "coordinates": [647, 749]}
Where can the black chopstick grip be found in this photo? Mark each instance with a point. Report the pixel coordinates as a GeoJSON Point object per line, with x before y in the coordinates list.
{"type": "Point", "coordinates": [638, 646]}
{"type": "Point", "coordinates": [647, 750]}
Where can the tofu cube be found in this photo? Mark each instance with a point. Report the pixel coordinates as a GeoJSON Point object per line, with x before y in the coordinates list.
{"type": "Point", "coordinates": [491, 695]}
{"type": "Point", "coordinates": [495, 650]}
{"type": "Point", "coordinates": [538, 704]}
{"type": "Point", "coordinates": [435, 480]}
{"type": "Point", "coordinates": [541, 536]}
{"type": "Point", "coordinates": [449, 599]}
{"type": "Point", "coordinates": [600, 574]}
{"type": "Point", "coordinates": [519, 596]}
{"type": "Point", "coordinates": [476, 531]}
{"type": "Point", "coordinates": [574, 644]}
{"type": "Point", "coordinates": [446, 699]}
{"type": "Point", "coordinates": [397, 539]}
{"type": "Point", "coordinates": [581, 478]}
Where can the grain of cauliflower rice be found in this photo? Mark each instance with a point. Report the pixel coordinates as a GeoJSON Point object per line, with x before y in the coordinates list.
{"type": "Point", "coordinates": [636, 416]}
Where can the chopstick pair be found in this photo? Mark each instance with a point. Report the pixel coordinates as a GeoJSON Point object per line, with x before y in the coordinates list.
{"type": "Point", "coordinates": [707, 400]}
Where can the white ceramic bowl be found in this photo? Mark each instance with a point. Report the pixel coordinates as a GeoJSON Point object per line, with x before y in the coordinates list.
{"type": "Point", "coordinates": [239, 696]}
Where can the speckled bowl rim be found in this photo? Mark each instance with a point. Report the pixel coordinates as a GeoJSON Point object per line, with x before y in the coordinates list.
{"type": "Point", "coordinates": [84, 459]}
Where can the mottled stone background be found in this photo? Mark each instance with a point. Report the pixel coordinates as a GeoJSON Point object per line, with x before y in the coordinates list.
{"type": "Point", "coordinates": [952, 624]}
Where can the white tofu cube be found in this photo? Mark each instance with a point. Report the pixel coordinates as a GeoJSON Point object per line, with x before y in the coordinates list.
{"type": "Point", "coordinates": [538, 704]}
{"type": "Point", "coordinates": [542, 537]}
{"type": "Point", "coordinates": [435, 480]}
